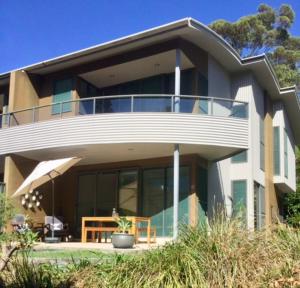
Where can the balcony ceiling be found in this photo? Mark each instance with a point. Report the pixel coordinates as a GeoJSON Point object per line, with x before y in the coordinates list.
{"type": "Point", "coordinates": [145, 67]}
{"type": "Point", "coordinates": [98, 154]}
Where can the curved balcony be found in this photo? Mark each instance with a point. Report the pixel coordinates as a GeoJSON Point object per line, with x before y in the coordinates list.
{"type": "Point", "coordinates": [203, 125]}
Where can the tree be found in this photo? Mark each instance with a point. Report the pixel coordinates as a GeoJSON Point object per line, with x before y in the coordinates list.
{"type": "Point", "coordinates": [267, 32]}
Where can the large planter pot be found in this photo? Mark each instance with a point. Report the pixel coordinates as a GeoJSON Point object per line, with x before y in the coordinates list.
{"type": "Point", "coordinates": [122, 240]}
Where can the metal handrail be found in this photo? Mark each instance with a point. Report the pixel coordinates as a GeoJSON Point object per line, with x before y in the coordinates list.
{"type": "Point", "coordinates": [132, 97]}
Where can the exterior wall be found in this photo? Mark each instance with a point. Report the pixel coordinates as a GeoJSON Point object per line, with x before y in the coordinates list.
{"type": "Point", "coordinates": [219, 191]}
{"type": "Point", "coordinates": [281, 120]}
{"type": "Point", "coordinates": [219, 82]}
{"type": "Point", "coordinates": [242, 89]}
{"type": "Point", "coordinates": [16, 170]}
{"type": "Point", "coordinates": [23, 91]}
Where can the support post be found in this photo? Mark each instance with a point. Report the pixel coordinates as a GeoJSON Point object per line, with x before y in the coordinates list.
{"type": "Point", "coordinates": [176, 148]}
{"type": "Point", "coordinates": [176, 191]}
{"type": "Point", "coordinates": [53, 201]}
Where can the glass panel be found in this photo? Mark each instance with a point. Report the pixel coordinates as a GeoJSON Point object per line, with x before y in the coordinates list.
{"type": "Point", "coordinates": [62, 92]}
{"type": "Point", "coordinates": [222, 107]}
{"type": "Point", "coordinates": [276, 151]}
{"type": "Point", "coordinates": [151, 85]}
{"type": "Point", "coordinates": [86, 197]}
{"type": "Point", "coordinates": [239, 198]}
{"type": "Point", "coordinates": [188, 105]}
{"type": "Point", "coordinates": [152, 104]}
{"type": "Point", "coordinates": [286, 166]}
{"type": "Point", "coordinates": [186, 82]}
{"type": "Point", "coordinates": [194, 105]}
{"type": "Point", "coordinates": [22, 117]}
{"type": "Point", "coordinates": [85, 107]}
{"type": "Point", "coordinates": [113, 105]}
{"type": "Point", "coordinates": [128, 188]}
{"type": "Point", "coordinates": [239, 158]}
{"type": "Point", "coordinates": [184, 189]}
{"type": "Point", "coordinates": [45, 113]}
{"type": "Point", "coordinates": [262, 143]}
{"type": "Point", "coordinates": [202, 85]}
{"type": "Point", "coordinates": [153, 197]}
{"type": "Point", "coordinates": [106, 198]}
{"type": "Point", "coordinates": [2, 187]}
{"type": "Point", "coordinates": [202, 194]}
{"type": "Point", "coordinates": [259, 206]}
{"type": "Point", "coordinates": [239, 110]}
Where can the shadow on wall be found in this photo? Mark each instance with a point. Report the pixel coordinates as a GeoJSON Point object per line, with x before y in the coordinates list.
{"type": "Point", "coordinates": [216, 193]}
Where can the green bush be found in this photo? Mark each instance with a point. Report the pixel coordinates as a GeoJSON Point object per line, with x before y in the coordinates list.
{"type": "Point", "coordinates": [293, 207]}
{"type": "Point", "coordinates": [222, 255]}
{"type": "Point", "coordinates": [6, 211]}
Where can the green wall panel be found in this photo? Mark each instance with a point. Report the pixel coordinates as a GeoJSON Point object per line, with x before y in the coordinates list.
{"type": "Point", "coordinates": [62, 91]}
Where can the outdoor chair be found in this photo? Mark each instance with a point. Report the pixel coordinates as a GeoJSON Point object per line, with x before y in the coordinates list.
{"type": "Point", "coordinates": [19, 223]}
{"type": "Point", "coordinates": [60, 228]}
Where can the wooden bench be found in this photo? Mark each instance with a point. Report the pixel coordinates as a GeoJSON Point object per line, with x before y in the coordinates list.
{"type": "Point", "coordinates": [99, 230]}
{"type": "Point", "coordinates": [140, 230]}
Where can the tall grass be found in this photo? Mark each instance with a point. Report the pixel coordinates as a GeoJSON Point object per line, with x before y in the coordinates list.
{"type": "Point", "coordinates": [226, 255]}
{"type": "Point", "coordinates": [222, 255]}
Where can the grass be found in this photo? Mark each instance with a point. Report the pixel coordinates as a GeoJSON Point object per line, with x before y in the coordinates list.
{"type": "Point", "coordinates": [65, 254]}
{"type": "Point", "coordinates": [222, 255]}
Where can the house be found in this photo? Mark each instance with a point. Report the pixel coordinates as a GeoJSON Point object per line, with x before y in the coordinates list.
{"type": "Point", "coordinates": [169, 117]}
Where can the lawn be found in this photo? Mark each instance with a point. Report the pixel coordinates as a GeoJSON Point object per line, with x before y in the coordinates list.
{"type": "Point", "coordinates": [66, 254]}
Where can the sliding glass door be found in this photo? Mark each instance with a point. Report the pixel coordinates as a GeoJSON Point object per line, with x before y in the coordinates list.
{"type": "Point", "coordinates": [106, 196]}
{"type": "Point", "coordinates": [154, 197]}
{"type": "Point", "coordinates": [157, 198]}
{"type": "Point", "coordinates": [100, 192]}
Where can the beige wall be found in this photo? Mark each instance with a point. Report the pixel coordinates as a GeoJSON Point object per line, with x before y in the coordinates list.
{"type": "Point", "coordinates": [23, 91]}
{"type": "Point", "coordinates": [271, 201]}
{"type": "Point", "coordinates": [16, 170]}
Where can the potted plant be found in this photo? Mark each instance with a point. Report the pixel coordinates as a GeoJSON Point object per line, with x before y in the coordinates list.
{"type": "Point", "coordinates": [122, 238]}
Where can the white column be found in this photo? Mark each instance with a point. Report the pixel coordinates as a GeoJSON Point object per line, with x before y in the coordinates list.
{"type": "Point", "coordinates": [176, 148]}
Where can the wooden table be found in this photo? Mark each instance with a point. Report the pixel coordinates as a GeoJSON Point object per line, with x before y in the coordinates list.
{"type": "Point", "coordinates": [134, 219]}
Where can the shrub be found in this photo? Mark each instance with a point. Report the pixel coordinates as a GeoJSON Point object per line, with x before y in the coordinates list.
{"type": "Point", "coordinates": [222, 255]}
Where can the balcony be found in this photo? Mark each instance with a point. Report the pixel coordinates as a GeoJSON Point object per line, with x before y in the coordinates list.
{"type": "Point", "coordinates": [211, 127]}
{"type": "Point", "coordinates": [127, 104]}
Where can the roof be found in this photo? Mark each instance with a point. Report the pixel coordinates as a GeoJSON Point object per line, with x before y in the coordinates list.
{"type": "Point", "coordinates": [197, 33]}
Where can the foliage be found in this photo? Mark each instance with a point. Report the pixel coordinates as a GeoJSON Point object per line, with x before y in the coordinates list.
{"type": "Point", "coordinates": [293, 199]}
{"type": "Point", "coordinates": [222, 255]}
{"type": "Point", "coordinates": [267, 31]}
{"type": "Point", "coordinates": [124, 225]}
{"type": "Point", "coordinates": [6, 211]}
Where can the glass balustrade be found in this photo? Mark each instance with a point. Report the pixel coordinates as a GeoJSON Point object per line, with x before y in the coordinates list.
{"type": "Point", "coordinates": [201, 105]}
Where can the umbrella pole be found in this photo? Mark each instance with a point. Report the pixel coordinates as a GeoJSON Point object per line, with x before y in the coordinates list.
{"type": "Point", "coordinates": [52, 230]}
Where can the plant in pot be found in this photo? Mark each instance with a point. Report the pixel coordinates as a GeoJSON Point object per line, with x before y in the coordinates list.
{"type": "Point", "coordinates": [122, 238]}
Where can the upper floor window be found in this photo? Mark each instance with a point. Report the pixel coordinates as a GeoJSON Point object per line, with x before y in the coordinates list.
{"type": "Point", "coordinates": [286, 166]}
{"type": "Point", "coordinates": [262, 143]}
{"type": "Point", "coordinates": [62, 92]}
{"type": "Point", "coordinates": [240, 158]}
{"type": "Point", "coordinates": [276, 150]}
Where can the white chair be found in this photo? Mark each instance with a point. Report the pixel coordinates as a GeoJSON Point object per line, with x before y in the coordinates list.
{"type": "Point", "coordinates": [60, 229]}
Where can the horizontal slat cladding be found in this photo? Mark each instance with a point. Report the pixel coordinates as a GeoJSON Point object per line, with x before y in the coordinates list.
{"type": "Point", "coordinates": [127, 128]}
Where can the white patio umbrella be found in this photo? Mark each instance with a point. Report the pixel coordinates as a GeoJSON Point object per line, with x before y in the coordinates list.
{"type": "Point", "coordinates": [44, 172]}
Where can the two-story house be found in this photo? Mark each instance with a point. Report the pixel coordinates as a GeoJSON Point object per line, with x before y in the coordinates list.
{"type": "Point", "coordinates": [171, 116]}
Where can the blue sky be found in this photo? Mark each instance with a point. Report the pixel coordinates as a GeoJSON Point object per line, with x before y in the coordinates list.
{"type": "Point", "coordinates": [36, 30]}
